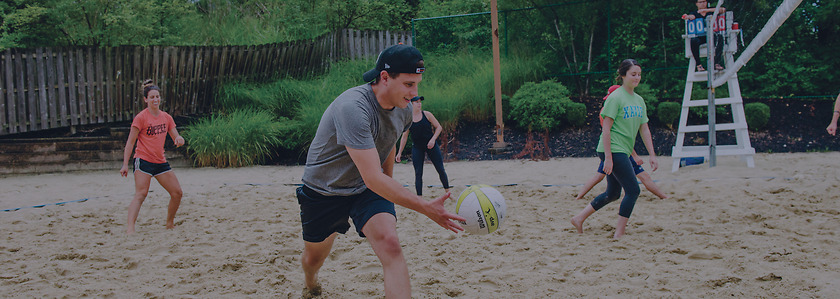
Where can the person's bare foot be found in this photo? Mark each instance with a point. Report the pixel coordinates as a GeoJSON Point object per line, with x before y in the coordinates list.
{"type": "Point", "coordinates": [620, 227]}
{"type": "Point", "coordinates": [578, 225]}
{"type": "Point", "coordinates": [311, 292]}
{"type": "Point", "coordinates": [170, 225]}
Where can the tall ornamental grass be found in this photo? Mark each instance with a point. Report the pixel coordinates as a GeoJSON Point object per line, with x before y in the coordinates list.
{"type": "Point", "coordinates": [456, 87]}
{"type": "Point", "coordinates": [461, 85]}
{"type": "Point", "coordinates": [241, 138]}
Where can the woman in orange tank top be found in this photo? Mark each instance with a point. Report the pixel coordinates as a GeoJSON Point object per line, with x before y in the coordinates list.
{"type": "Point", "coordinates": [149, 130]}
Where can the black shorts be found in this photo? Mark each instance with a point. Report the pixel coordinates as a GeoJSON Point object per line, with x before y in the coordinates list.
{"type": "Point", "coordinates": [321, 215]}
{"type": "Point", "coordinates": [152, 169]}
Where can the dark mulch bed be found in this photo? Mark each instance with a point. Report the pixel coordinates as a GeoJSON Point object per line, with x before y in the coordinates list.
{"type": "Point", "coordinates": [795, 126]}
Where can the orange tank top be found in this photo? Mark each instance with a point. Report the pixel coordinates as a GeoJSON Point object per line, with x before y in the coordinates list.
{"type": "Point", "coordinates": [153, 131]}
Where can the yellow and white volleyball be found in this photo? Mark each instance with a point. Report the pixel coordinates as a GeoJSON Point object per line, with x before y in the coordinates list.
{"type": "Point", "coordinates": [483, 207]}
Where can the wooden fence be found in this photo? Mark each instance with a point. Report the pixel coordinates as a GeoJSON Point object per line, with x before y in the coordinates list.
{"type": "Point", "coordinates": [48, 88]}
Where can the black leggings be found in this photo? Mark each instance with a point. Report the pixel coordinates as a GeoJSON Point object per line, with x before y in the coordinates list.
{"type": "Point", "coordinates": [695, 48]}
{"type": "Point", "coordinates": [418, 156]}
{"type": "Point", "coordinates": [624, 177]}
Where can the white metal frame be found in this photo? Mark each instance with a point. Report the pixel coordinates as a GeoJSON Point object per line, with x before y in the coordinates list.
{"type": "Point", "coordinates": [742, 147]}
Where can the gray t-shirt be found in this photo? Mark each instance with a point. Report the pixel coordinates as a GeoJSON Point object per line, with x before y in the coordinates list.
{"type": "Point", "coordinates": [355, 120]}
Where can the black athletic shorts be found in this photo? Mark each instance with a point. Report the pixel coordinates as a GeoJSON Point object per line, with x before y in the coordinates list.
{"type": "Point", "coordinates": [152, 169]}
{"type": "Point", "coordinates": [322, 215]}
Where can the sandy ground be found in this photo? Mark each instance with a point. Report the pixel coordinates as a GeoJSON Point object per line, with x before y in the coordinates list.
{"type": "Point", "coordinates": [726, 231]}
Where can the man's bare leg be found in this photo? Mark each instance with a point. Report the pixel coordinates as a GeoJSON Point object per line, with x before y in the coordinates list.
{"type": "Point", "coordinates": [381, 232]}
{"type": "Point", "coordinates": [312, 258]}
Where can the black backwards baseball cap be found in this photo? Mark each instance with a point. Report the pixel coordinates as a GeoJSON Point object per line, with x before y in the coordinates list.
{"type": "Point", "coordinates": [396, 59]}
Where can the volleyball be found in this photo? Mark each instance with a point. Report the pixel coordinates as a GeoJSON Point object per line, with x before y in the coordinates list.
{"type": "Point", "coordinates": [483, 207]}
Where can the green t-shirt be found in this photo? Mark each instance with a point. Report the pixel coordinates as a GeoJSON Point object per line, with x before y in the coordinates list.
{"type": "Point", "coordinates": [628, 112]}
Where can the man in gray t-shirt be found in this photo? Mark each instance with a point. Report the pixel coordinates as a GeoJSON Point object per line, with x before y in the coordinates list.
{"type": "Point", "coordinates": [357, 121]}
{"type": "Point", "coordinates": [349, 171]}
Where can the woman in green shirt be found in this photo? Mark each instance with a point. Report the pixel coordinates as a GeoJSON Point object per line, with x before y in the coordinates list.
{"type": "Point", "coordinates": [625, 116]}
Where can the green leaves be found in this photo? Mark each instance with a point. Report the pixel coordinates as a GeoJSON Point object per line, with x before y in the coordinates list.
{"type": "Point", "coordinates": [545, 106]}
{"type": "Point", "coordinates": [757, 114]}
{"type": "Point", "coordinates": [25, 26]}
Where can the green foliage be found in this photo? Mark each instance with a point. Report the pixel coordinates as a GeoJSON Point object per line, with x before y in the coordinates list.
{"type": "Point", "coordinates": [668, 112]}
{"type": "Point", "coordinates": [583, 41]}
{"type": "Point", "coordinates": [456, 87]}
{"type": "Point", "coordinates": [757, 114]}
{"type": "Point", "coordinates": [448, 35]}
{"type": "Point", "coordinates": [241, 138]}
{"type": "Point", "coordinates": [461, 85]}
{"type": "Point", "coordinates": [277, 97]}
{"type": "Point", "coordinates": [368, 14]}
{"type": "Point", "coordinates": [39, 23]}
{"type": "Point", "coordinates": [545, 106]}
{"type": "Point", "coordinates": [301, 101]}
{"type": "Point", "coordinates": [27, 25]}
{"type": "Point", "coordinates": [118, 22]}
{"type": "Point", "coordinates": [575, 113]}
{"type": "Point", "coordinates": [649, 95]}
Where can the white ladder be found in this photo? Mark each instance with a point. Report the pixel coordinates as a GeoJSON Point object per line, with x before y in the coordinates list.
{"type": "Point", "coordinates": [742, 147]}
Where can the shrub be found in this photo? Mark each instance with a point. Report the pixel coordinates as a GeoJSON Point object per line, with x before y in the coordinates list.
{"type": "Point", "coordinates": [668, 112]}
{"type": "Point", "coordinates": [757, 114]}
{"type": "Point", "coordinates": [241, 138]}
{"type": "Point", "coordinates": [649, 95]}
{"type": "Point", "coordinates": [575, 113]}
{"type": "Point", "coordinates": [545, 106]}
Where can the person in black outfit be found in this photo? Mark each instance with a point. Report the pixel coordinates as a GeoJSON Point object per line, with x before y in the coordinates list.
{"type": "Point", "coordinates": [424, 130]}
{"type": "Point", "coordinates": [702, 10]}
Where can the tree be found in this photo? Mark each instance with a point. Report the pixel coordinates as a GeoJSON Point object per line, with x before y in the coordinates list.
{"type": "Point", "coordinates": [26, 24]}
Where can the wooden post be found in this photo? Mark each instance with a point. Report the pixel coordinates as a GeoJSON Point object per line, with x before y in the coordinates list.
{"type": "Point", "coordinates": [10, 91]}
{"type": "Point", "coordinates": [43, 104]}
{"type": "Point", "coordinates": [62, 88]}
{"type": "Point", "coordinates": [51, 88]}
{"type": "Point", "coordinates": [500, 144]}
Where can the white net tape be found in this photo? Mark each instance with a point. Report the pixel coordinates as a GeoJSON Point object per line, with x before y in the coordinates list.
{"type": "Point", "coordinates": [782, 13]}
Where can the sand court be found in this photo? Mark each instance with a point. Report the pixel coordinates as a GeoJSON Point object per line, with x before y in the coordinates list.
{"type": "Point", "coordinates": [729, 231]}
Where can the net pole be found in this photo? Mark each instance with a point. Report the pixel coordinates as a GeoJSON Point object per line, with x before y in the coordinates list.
{"type": "Point", "coordinates": [782, 13]}
{"type": "Point", "coordinates": [497, 76]}
{"type": "Point", "coordinates": [710, 70]}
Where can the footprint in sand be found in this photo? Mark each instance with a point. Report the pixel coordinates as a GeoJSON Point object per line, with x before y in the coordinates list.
{"type": "Point", "coordinates": [703, 256]}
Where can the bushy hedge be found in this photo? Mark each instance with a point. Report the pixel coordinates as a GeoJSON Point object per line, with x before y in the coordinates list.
{"type": "Point", "coordinates": [757, 114]}
{"type": "Point", "coordinates": [668, 112]}
{"type": "Point", "coordinates": [545, 106]}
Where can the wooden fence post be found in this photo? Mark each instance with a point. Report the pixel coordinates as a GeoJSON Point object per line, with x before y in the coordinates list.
{"type": "Point", "coordinates": [51, 89]}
